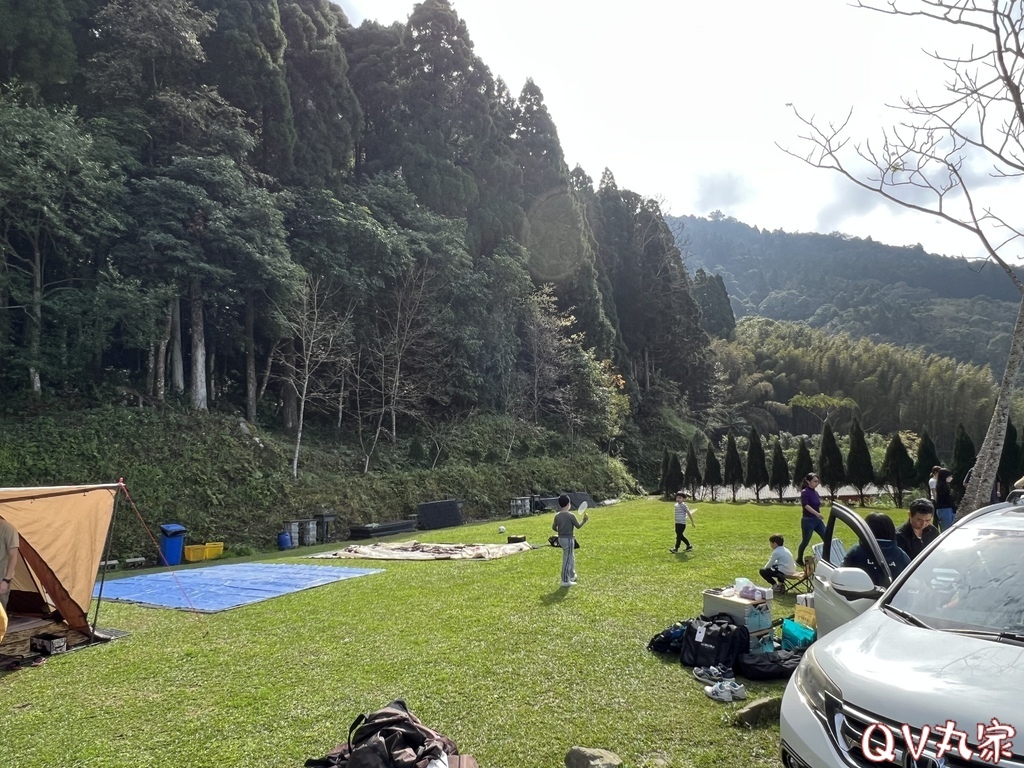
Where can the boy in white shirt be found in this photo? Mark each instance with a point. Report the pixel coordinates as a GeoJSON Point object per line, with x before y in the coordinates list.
{"type": "Point", "coordinates": [682, 512]}
{"type": "Point", "coordinates": [781, 564]}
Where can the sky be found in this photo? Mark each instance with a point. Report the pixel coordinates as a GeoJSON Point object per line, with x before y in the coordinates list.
{"type": "Point", "coordinates": [688, 102]}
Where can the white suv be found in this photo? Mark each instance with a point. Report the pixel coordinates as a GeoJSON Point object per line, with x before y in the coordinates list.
{"type": "Point", "coordinates": [927, 672]}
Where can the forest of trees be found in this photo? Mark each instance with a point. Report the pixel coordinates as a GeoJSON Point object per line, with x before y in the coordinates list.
{"type": "Point", "coordinates": [265, 210]}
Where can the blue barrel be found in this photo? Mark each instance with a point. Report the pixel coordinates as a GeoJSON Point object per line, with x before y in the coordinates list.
{"type": "Point", "coordinates": [172, 543]}
{"type": "Point", "coordinates": [284, 540]}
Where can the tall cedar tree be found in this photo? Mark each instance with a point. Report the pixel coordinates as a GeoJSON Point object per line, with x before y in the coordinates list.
{"type": "Point", "coordinates": [927, 457]}
{"type": "Point", "coordinates": [757, 471]}
{"type": "Point", "coordinates": [859, 472]}
{"type": "Point", "coordinates": [1009, 461]}
{"type": "Point", "coordinates": [779, 479]}
{"type": "Point", "coordinates": [245, 57]}
{"type": "Point", "coordinates": [674, 477]}
{"type": "Point", "coordinates": [692, 477]}
{"type": "Point", "coordinates": [712, 473]}
{"type": "Point", "coordinates": [964, 456]}
{"type": "Point", "coordinates": [662, 488]}
{"type": "Point", "coordinates": [830, 462]}
{"type": "Point", "coordinates": [897, 469]}
{"type": "Point", "coordinates": [803, 466]}
{"type": "Point", "coordinates": [733, 465]}
{"type": "Point", "coordinates": [716, 315]}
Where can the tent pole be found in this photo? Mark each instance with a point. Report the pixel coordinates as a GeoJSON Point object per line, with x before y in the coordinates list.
{"type": "Point", "coordinates": [106, 556]}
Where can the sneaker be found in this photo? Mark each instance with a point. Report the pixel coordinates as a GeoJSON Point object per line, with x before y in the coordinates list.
{"type": "Point", "coordinates": [713, 674]}
{"type": "Point", "coordinates": [673, 550]}
{"type": "Point", "coordinates": [727, 690]}
{"type": "Point", "coordinates": [567, 583]}
{"type": "Point", "coordinates": [689, 549]}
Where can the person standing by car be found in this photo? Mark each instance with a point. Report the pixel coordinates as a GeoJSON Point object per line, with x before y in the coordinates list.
{"type": "Point", "coordinates": [884, 529]}
{"type": "Point", "coordinates": [682, 512]}
{"type": "Point", "coordinates": [565, 526]}
{"type": "Point", "coordinates": [917, 532]}
{"type": "Point", "coordinates": [811, 521]}
{"type": "Point", "coordinates": [944, 499]}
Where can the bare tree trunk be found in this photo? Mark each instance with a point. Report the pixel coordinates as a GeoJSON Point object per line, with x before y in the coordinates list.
{"type": "Point", "coordinates": [160, 373]}
{"type": "Point", "coordinates": [151, 354]}
{"type": "Point", "coordinates": [987, 464]}
{"type": "Point", "coordinates": [250, 361]}
{"type": "Point", "coordinates": [198, 368]}
{"type": "Point", "coordinates": [35, 322]}
{"type": "Point", "coordinates": [266, 373]}
{"type": "Point", "coordinates": [288, 391]}
{"type": "Point", "coordinates": [177, 358]}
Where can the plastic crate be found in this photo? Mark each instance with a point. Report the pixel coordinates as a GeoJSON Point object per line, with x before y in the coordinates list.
{"type": "Point", "coordinates": [214, 549]}
{"type": "Point", "coordinates": [195, 552]}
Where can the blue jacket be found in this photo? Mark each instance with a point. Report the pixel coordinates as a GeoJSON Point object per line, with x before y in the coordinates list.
{"type": "Point", "coordinates": [860, 557]}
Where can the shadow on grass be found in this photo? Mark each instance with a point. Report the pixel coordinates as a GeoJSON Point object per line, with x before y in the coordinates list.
{"type": "Point", "coordinates": [555, 597]}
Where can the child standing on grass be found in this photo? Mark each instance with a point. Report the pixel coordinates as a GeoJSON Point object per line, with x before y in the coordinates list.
{"type": "Point", "coordinates": [682, 512]}
{"type": "Point", "coordinates": [565, 526]}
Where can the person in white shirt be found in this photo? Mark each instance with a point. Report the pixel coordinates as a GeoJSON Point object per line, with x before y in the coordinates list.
{"type": "Point", "coordinates": [932, 482]}
{"type": "Point", "coordinates": [780, 565]}
{"type": "Point", "coordinates": [682, 512]}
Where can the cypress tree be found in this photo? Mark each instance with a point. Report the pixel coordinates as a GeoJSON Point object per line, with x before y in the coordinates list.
{"type": "Point", "coordinates": [712, 472]}
{"type": "Point", "coordinates": [692, 478]}
{"type": "Point", "coordinates": [897, 469]}
{"type": "Point", "coordinates": [733, 465]}
{"type": "Point", "coordinates": [927, 457]}
{"type": "Point", "coordinates": [674, 476]}
{"type": "Point", "coordinates": [757, 471]}
{"type": "Point", "coordinates": [779, 479]}
{"type": "Point", "coordinates": [830, 461]}
{"type": "Point", "coordinates": [964, 456]}
{"type": "Point", "coordinates": [859, 472]}
{"type": "Point", "coordinates": [803, 466]}
{"type": "Point", "coordinates": [662, 488]}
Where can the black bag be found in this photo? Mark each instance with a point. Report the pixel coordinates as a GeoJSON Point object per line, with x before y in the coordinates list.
{"type": "Point", "coordinates": [391, 737]}
{"type": "Point", "coordinates": [670, 639]}
{"type": "Point", "coordinates": [713, 641]}
{"type": "Point", "coordinates": [553, 541]}
{"type": "Point", "coordinates": [777, 665]}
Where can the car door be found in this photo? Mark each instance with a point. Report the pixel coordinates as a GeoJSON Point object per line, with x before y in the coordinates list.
{"type": "Point", "coordinates": [844, 529]}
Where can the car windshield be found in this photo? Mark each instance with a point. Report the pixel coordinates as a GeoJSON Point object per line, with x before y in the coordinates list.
{"type": "Point", "coordinates": [974, 579]}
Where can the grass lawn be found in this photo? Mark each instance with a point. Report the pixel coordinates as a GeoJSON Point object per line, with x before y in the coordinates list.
{"type": "Point", "coordinates": [493, 654]}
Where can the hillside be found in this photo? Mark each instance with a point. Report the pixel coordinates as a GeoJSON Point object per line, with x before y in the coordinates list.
{"type": "Point", "coordinates": [905, 296]}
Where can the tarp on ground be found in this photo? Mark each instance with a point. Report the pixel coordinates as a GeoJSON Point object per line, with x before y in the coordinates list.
{"type": "Point", "coordinates": [219, 587]}
{"type": "Point", "coordinates": [415, 550]}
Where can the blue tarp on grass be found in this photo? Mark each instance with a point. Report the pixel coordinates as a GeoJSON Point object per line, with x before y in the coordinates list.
{"type": "Point", "coordinates": [219, 587]}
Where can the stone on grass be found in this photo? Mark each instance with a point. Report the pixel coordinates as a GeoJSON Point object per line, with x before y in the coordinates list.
{"type": "Point", "coordinates": [759, 712]}
{"type": "Point", "coordinates": [585, 757]}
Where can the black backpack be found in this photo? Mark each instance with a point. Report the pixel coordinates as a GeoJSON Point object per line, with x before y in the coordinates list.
{"type": "Point", "coordinates": [670, 639]}
{"type": "Point", "coordinates": [713, 641]}
{"type": "Point", "coordinates": [391, 737]}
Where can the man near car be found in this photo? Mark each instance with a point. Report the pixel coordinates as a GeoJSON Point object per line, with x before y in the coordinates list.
{"type": "Point", "coordinates": [917, 532]}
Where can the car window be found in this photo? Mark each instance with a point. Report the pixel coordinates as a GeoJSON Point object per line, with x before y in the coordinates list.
{"type": "Point", "coordinates": [973, 579]}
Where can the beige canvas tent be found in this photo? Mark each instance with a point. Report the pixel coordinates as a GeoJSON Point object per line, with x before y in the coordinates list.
{"type": "Point", "coordinates": [62, 533]}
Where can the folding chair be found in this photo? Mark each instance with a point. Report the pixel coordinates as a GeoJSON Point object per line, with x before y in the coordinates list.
{"type": "Point", "coordinates": [801, 582]}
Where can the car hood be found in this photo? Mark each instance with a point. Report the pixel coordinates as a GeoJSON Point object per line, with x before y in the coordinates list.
{"type": "Point", "coordinates": [922, 676]}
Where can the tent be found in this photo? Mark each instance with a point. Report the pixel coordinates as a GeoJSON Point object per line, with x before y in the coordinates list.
{"type": "Point", "coordinates": [62, 531]}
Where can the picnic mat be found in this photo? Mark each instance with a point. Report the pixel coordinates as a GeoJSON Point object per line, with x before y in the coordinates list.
{"type": "Point", "coordinates": [415, 550]}
{"type": "Point", "coordinates": [219, 587]}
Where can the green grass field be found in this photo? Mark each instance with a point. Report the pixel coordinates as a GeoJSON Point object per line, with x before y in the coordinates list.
{"type": "Point", "coordinates": [493, 654]}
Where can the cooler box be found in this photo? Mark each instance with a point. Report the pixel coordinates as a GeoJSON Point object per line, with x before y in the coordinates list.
{"type": "Point", "coordinates": [755, 615]}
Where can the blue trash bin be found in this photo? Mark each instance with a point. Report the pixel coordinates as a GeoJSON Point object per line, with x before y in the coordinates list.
{"type": "Point", "coordinates": [172, 543]}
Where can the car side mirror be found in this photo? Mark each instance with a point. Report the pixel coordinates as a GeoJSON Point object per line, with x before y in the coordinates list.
{"type": "Point", "coordinates": [853, 584]}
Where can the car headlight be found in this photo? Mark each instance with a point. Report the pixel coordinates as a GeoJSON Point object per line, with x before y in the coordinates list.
{"type": "Point", "coordinates": [814, 685]}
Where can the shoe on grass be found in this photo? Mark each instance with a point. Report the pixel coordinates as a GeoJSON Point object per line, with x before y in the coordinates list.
{"type": "Point", "coordinates": [727, 690]}
{"type": "Point", "coordinates": [713, 674]}
{"type": "Point", "coordinates": [689, 549]}
{"type": "Point", "coordinates": [673, 550]}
